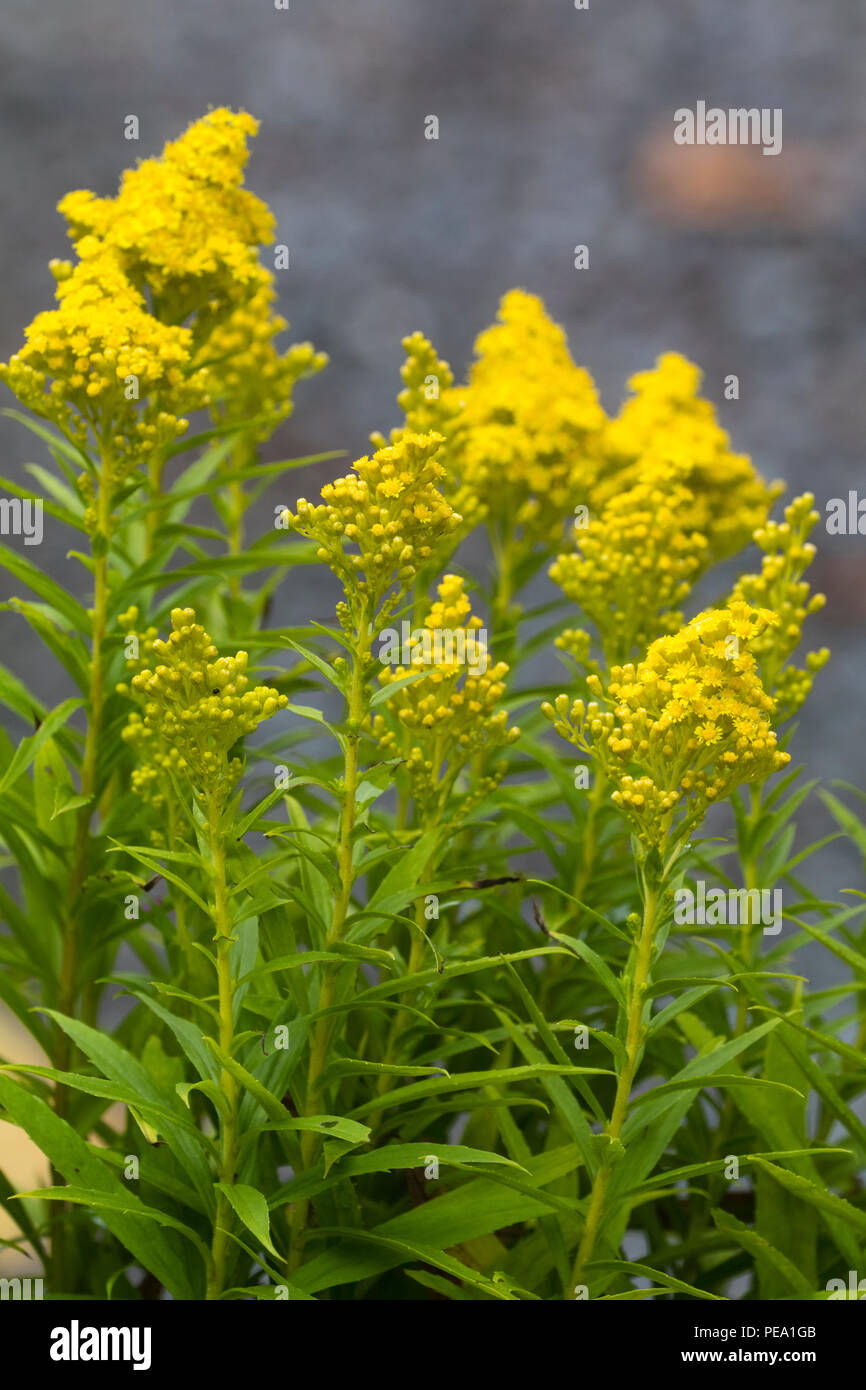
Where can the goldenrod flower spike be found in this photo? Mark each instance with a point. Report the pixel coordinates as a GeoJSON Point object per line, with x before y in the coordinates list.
{"type": "Point", "coordinates": [634, 563]}
{"type": "Point", "coordinates": [666, 419]}
{"type": "Point", "coordinates": [182, 224]}
{"type": "Point", "coordinates": [437, 724]}
{"type": "Point", "coordinates": [683, 728]}
{"type": "Point", "coordinates": [249, 379]}
{"type": "Point", "coordinates": [426, 400]}
{"type": "Point", "coordinates": [198, 705]}
{"type": "Point", "coordinates": [379, 525]}
{"type": "Point", "coordinates": [787, 554]}
{"type": "Point", "coordinates": [93, 360]}
{"type": "Point", "coordinates": [166, 311]}
{"type": "Point", "coordinates": [526, 442]}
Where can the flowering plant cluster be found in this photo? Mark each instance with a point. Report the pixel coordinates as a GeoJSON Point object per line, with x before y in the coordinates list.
{"type": "Point", "coordinates": [411, 1012]}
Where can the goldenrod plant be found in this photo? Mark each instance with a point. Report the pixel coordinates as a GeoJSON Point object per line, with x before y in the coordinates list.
{"type": "Point", "coordinates": [358, 963]}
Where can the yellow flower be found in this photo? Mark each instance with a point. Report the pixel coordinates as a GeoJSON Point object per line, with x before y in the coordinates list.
{"type": "Point", "coordinates": [182, 224]}
{"type": "Point", "coordinates": [105, 357]}
{"type": "Point", "coordinates": [426, 400]}
{"type": "Point", "coordinates": [438, 723]}
{"type": "Point", "coordinates": [671, 748]}
{"type": "Point", "coordinates": [196, 706]}
{"type": "Point", "coordinates": [524, 445]}
{"type": "Point", "coordinates": [634, 563]}
{"type": "Point", "coordinates": [250, 381]}
{"type": "Point", "coordinates": [666, 419]}
{"type": "Point", "coordinates": [368, 526]}
{"type": "Point", "coordinates": [780, 586]}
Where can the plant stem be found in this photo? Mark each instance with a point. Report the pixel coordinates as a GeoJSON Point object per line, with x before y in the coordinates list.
{"type": "Point", "coordinates": [416, 957]}
{"type": "Point", "coordinates": [750, 877]}
{"type": "Point", "coordinates": [582, 878]}
{"type": "Point", "coordinates": [590, 845]}
{"type": "Point", "coordinates": [242, 456]}
{"type": "Point", "coordinates": [67, 993]}
{"type": "Point", "coordinates": [634, 1042]}
{"type": "Point", "coordinates": [357, 707]}
{"type": "Point", "coordinates": [155, 514]}
{"type": "Point", "coordinates": [228, 1085]}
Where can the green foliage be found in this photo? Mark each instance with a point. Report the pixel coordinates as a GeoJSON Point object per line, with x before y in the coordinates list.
{"type": "Point", "coordinates": [396, 1022]}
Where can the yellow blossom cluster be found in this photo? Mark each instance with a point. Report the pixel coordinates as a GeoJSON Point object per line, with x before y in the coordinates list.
{"type": "Point", "coordinates": [104, 355]}
{"type": "Point", "coordinates": [430, 403]}
{"type": "Point", "coordinates": [156, 761]}
{"type": "Point", "coordinates": [250, 380]}
{"type": "Point", "coordinates": [426, 399]}
{"type": "Point", "coordinates": [666, 419]}
{"type": "Point", "coordinates": [780, 586]}
{"type": "Point", "coordinates": [182, 224]}
{"type": "Point", "coordinates": [634, 563]}
{"type": "Point", "coordinates": [196, 706]}
{"type": "Point", "coordinates": [144, 642]}
{"type": "Point", "coordinates": [439, 722]}
{"type": "Point", "coordinates": [167, 310]}
{"type": "Point", "coordinates": [684, 727]}
{"type": "Point", "coordinates": [526, 442]}
{"type": "Point", "coordinates": [383, 522]}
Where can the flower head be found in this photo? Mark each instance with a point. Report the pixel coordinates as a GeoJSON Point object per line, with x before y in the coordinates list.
{"type": "Point", "coordinates": [249, 378]}
{"type": "Point", "coordinates": [665, 418]}
{"type": "Point", "coordinates": [196, 706]}
{"type": "Point", "coordinates": [525, 443]}
{"type": "Point", "coordinates": [780, 586]}
{"type": "Point", "coordinates": [100, 360]}
{"type": "Point", "coordinates": [379, 525]}
{"type": "Point", "coordinates": [634, 562]}
{"type": "Point", "coordinates": [182, 224]}
{"type": "Point", "coordinates": [684, 727]}
{"type": "Point", "coordinates": [439, 722]}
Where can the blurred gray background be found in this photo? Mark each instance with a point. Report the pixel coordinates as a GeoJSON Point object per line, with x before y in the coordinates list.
{"type": "Point", "coordinates": [555, 129]}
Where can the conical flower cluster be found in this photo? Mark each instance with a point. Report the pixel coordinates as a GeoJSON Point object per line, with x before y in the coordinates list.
{"type": "Point", "coordinates": [197, 706]}
{"type": "Point", "coordinates": [685, 726]}
{"type": "Point", "coordinates": [439, 722]}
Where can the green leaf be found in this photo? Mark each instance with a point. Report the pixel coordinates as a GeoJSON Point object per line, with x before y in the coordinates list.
{"type": "Point", "coordinates": [118, 1065]}
{"type": "Point", "coordinates": [386, 691]}
{"type": "Point", "coordinates": [27, 573]}
{"type": "Point", "coordinates": [464, 1213]}
{"type": "Point", "coordinates": [763, 1252]}
{"type": "Point", "coordinates": [125, 1204]}
{"type": "Point", "coordinates": [714, 1079]}
{"type": "Point", "coordinates": [817, 1196]}
{"type": "Point", "coordinates": [251, 1207]}
{"type": "Point", "coordinates": [72, 1157]}
{"type": "Point", "coordinates": [464, 1081]}
{"type": "Point", "coordinates": [667, 1280]}
{"type": "Point", "coordinates": [29, 747]}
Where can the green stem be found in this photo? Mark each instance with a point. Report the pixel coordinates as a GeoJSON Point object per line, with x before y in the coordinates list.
{"type": "Point", "coordinates": [242, 455]}
{"type": "Point", "coordinates": [586, 863]}
{"type": "Point", "coordinates": [357, 707]}
{"type": "Point", "coordinates": [155, 514]}
{"type": "Point", "coordinates": [633, 1046]}
{"type": "Point", "coordinates": [175, 842]}
{"type": "Point", "coordinates": [416, 958]}
{"type": "Point", "coordinates": [228, 1085]}
{"type": "Point", "coordinates": [68, 991]}
{"type": "Point", "coordinates": [747, 943]}
{"type": "Point", "coordinates": [503, 616]}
